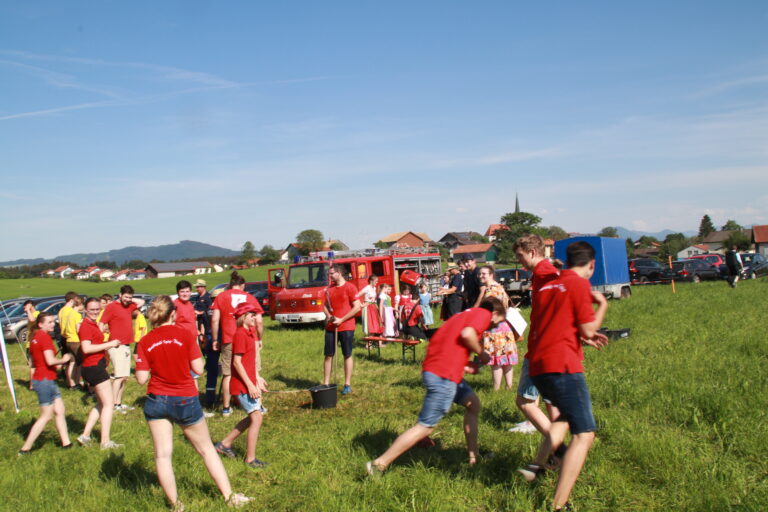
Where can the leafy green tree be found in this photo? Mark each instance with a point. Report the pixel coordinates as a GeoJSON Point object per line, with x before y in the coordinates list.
{"type": "Point", "coordinates": [105, 264]}
{"type": "Point", "coordinates": [336, 246]}
{"type": "Point", "coordinates": [381, 245]}
{"type": "Point", "coordinates": [731, 225]}
{"type": "Point", "coordinates": [519, 224]}
{"type": "Point", "coordinates": [646, 241]}
{"type": "Point", "coordinates": [479, 239]}
{"type": "Point", "coordinates": [630, 248]}
{"type": "Point", "coordinates": [247, 252]}
{"type": "Point", "coordinates": [739, 239]}
{"type": "Point", "coordinates": [134, 264]}
{"type": "Point", "coordinates": [673, 244]}
{"type": "Point", "coordinates": [269, 254]}
{"type": "Point", "coordinates": [706, 227]}
{"type": "Point", "coordinates": [608, 232]}
{"type": "Point", "coordinates": [310, 240]}
{"type": "Point", "coordinates": [556, 233]}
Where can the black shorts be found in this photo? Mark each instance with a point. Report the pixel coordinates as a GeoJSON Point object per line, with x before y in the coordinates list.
{"type": "Point", "coordinates": [95, 375]}
{"type": "Point", "coordinates": [346, 338]}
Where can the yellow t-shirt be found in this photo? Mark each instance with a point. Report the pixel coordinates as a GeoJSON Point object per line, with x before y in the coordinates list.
{"type": "Point", "coordinates": [139, 327]}
{"type": "Point", "coordinates": [68, 320]}
{"type": "Point", "coordinates": [29, 328]}
{"type": "Point", "coordinates": [98, 321]}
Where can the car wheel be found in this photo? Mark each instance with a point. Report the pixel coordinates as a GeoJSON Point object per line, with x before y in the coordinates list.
{"type": "Point", "coordinates": [626, 292]}
{"type": "Point", "coordinates": [22, 336]}
{"type": "Point", "coordinates": [752, 275]}
{"type": "Point", "coordinates": [696, 278]}
{"type": "Point", "coordinates": [643, 279]}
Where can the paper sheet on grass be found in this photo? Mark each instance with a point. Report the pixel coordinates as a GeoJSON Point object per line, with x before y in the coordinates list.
{"type": "Point", "coordinates": [516, 320]}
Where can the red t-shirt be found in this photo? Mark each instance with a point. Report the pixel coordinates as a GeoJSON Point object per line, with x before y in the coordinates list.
{"type": "Point", "coordinates": [244, 344]}
{"type": "Point", "coordinates": [226, 303]}
{"type": "Point", "coordinates": [91, 332]}
{"type": "Point", "coordinates": [543, 273]}
{"type": "Point", "coordinates": [185, 316]}
{"type": "Point", "coordinates": [446, 354]}
{"type": "Point", "coordinates": [118, 318]}
{"type": "Point", "coordinates": [39, 344]}
{"type": "Point", "coordinates": [167, 352]}
{"type": "Point", "coordinates": [414, 318]}
{"type": "Point", "coordinates": [564, 304]}
{"type": "Point", "coordinates": [341, 300]}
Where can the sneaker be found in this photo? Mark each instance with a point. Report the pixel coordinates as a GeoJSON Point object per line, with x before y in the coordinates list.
{"type": "Point", "coordinates": [565, 508]}
{"type": "Point", "coordinates": [119, 408]}
{"type": "Point", "coordinates": [24, 452]}
{"type": "Point", "coordinates": [256, 464]}
{"type": "Point", "coordinates": [126, 407]}
{"type": "Point", "coordinates": [226, 411]}
{"type": "Point", "coordinates": [531, 472]}
{"type": "Point", "coordinates": [67, 446]}
{"type": "Point", "coordinates": [208, 414]}
{"type": "Point", "coordinates": [178, 506]}
{"type": "Point", "coordinates": [373, 470]}
{"type": "Point", "coordinates": [84, 440]}
{"type": "Point", "coordinates": [110, 445]}
{"type": "Point", "coordinates": [347, 390]}
{"type": "Point", "coordinates": [225, 450]}
{"type": "Point", "coordinates": [524, 427]}
{"type": "Point", "coordinates": [238, 500]}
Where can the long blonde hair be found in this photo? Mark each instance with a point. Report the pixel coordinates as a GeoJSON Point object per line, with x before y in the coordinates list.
{"type": "Point", "coordinates": [160, 310]}
{"type": "Point", "coordinates": [36, 324]}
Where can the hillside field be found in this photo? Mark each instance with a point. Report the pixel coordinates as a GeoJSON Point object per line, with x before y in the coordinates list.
{"type": "Point", "coordinates": [680, 406]}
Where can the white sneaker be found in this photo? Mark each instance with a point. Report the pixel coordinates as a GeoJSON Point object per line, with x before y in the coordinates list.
{"type": "Point", "coordinates": [524, 427]}
{"type": "Point", "coordinates": [84, 441]}
{"type": "Point", "coordinates": [119, 408]}
{"type": "Point", "coordinates": [238, 500]}
{"type": "Point", "coordinates": [208, 414]}
{"type": "Point", "coordinates": [110, 445]}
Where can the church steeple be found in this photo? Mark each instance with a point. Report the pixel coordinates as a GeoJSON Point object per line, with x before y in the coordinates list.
{"type": "Point", "coordinates": [517, 204]}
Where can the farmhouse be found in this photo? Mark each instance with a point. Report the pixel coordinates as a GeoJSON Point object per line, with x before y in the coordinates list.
{"type": "Point", "coordinates": [692, 251]}
{"type": "Point", "coordinates": [760, 239]}
{"type": "Point", "coordinates": [456, 238]}
{"type": "Point", "coordinates": [490, 233]}
{"type": "Point", "coordinates": [483, 253]}
{"type": "Point", "coordinates": [63, 271]}
{"type": "Point", "coordinates": [714, 241]}
{"type": "Point", "coordinates": [181, 268]}
{"type": "Point", "coordinates": [404, 239]}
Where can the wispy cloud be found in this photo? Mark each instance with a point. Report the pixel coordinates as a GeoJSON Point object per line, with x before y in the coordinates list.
{"type": "Point", "coordinates": [56, 110]}
{"type": "Point", "coordinates": [730, 84]}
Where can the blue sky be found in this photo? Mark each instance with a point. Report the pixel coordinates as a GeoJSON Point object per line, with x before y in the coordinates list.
{"type": "Point", "coordinates": [145, 123]}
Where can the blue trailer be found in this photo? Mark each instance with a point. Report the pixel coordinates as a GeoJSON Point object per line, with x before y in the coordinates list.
{"type": "Point", "coordinates": [611, 275]}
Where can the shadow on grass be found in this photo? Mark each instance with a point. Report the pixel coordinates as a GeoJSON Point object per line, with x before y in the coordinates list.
{"type": "Point", "coordinates": [75, 425]}
{"type": "Point", "coordinates": [295, 383]}
{"type": "Point", "coordinates": [491, 469]}
{"type": "Point", "coordinates": [131, 477]}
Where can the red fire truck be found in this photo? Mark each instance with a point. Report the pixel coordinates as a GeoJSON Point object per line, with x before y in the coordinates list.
{"type": "Point", "coordinates": [297, 295]}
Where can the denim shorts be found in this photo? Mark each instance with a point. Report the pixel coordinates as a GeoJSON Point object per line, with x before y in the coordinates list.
{"type": "Point", "coordinates": [441, 393]}
{"type": "Point", "coordinates": [183, 410]}
{"type": "Point", "coordinates": [569, 393]}
{"type": "Point", "coordinates": [47, 391]}
{"type": "Point", "coordinates": [526, 388]}
{"type": "Point", "coordinates": [345, 340]}
{"type": "Point", "coordinates": [250, 405]}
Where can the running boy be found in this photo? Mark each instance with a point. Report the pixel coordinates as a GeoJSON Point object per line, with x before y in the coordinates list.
{"type": "Point", "coordinates": [442, 374]}
{"type": "Point", "coordinates": [247, 385]}
{"type": "Point", "coordinates": [554, 354]}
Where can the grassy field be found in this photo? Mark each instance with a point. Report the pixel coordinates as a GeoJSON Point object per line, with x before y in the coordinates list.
{"type": "Point", "coordinates": [680, 406]}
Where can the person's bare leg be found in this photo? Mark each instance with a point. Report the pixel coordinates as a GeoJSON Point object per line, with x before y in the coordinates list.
{"type": "Point", "coordinates": [200, 439]}
{"type": "Point", "coordinates": [225, 396]}
{"type": "Point", "coordinates": [402, 444]}
{"type": "Point", "coordinates": [327, 366]}
{"type": "Point", "coordinates": [572, 464]}
{"type": "Point", "coordinates": [532, 412]}
{"type": "Point", "coordinates": [118, 386]}
{"type": "Point", "coordinates": [104, 395]}
{"type": "Point", "coordinates": [496, 374]}
{"type": "Point", "coordinates": [348, 365]}
{"type": "Point", "coordinates": [551, 442]}
{"type": "Point", "coordinates": [61, 421]}
{"type": "Point", "coordinates": [509, 373]}
{"type": "Point", "coordinates": [471, 415]}
{"type": "Point", "coordinates": [46, 413]}
{"type": "Point", "coordinates": [162, 438]}
{"type": "Point", "coordinates": [69, 373]}
{"type": "Point", "coordinates": [93, 417]}
{"type": "Point", "coordinates": [552, 411]}
{"type": "Point", "coordinates": [241, 427]}
{"type": "Point", "coordinates": [253, 435]}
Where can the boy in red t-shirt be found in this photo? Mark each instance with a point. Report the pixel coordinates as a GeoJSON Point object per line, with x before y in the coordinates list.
{"type": "Point", "coordinates": [567, 320]}
{"type": "Point", "coordinates": [340, 306]}
{"type": "Point", "coordinates": [442, 374]}
{"type": "Point", "coordinates": [247, 385]}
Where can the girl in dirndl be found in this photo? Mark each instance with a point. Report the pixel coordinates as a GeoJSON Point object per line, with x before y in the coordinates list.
{"type": "Point", "coordinates": [387, 312]}
{"type": "Point", "coordinates": [371, 320]}
{"type": "Point", "coordinates": [499, 342]}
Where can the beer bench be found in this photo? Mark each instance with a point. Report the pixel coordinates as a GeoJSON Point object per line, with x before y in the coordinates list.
{"type": "Point", "coordinates": [408, 345]}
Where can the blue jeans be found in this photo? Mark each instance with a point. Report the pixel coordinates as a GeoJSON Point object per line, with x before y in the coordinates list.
{"type": "Point", "coordinates": [47, 391]}
{"type": "Point", "coordinates": [183, 410]}
{"type": "Point", "coordinates": [441, 393]}
{"type": "Point", "coordinates": [249, 404]}
{"type": "Point", "coordinates": [569, 393]}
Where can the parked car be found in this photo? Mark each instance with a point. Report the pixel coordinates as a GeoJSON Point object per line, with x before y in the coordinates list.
{"type": "Point", "coordinates": [714, 259]}
{"type": "Point", "coordinates": [516, 282]}
{"type": "Point", "coordinates": [694, 271]}
{"type": "Point", "coordinates": [755, 265]}
{"type": "Point", "coordinates": [259, 291]}
{"type": "Point", "coordinates": [14, 320]}
{"type": "Point", "coordinates": [647, 270]}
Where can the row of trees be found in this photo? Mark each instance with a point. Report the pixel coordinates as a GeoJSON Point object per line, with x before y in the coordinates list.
{"type": "Point", "coordinates": [309, 240]}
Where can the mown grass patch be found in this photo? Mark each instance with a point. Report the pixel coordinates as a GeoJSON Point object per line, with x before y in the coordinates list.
{"type": "Point", "coordinates": [680, 405]}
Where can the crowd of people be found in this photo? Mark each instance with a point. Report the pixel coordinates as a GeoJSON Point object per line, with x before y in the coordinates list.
{"type": "Point", "coordinates": [223, 334]}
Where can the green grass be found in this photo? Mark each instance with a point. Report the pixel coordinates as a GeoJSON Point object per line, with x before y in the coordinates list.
{"type": "Point", "coordinates": [680, 405]}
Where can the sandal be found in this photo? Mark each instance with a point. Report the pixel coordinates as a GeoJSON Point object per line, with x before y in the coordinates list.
{"type": "Point", "coordinates": [531, 472]}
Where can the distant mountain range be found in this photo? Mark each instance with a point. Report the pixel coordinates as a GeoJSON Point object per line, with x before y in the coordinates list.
{"type": "Point", "coordinates": [173, 252]}
{"type": "Point", "coordinates": [659, 235]}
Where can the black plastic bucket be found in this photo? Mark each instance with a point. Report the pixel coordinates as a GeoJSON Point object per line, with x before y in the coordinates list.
{"type": "Point", "coordinates": [323, 397]}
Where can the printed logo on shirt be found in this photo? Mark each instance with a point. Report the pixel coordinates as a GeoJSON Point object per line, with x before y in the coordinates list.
{"type": "Point", "coordinates": [556, 286]}
{"type": "Point", "coordinates": [164, 342]}
{"type": "Point", "coordinates": [237, 299]}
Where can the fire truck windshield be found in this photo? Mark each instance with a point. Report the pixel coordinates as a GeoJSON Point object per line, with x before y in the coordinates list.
{"type": "Point", "coordinates": [308, 276]}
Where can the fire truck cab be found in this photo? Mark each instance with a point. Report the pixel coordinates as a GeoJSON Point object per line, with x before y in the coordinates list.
{"type": "Point", "coordinates": [297, 294]}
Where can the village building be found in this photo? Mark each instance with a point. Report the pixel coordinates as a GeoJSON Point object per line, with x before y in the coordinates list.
{"type": "Point", "coordinates": [693, 250]}
{"type": "Point", "coordinates": [180, 268]}
{"type": "Point", "coordinates": [760, 239]}
{"type": "Point", "coordinates": [491, 233]}
{"type": "Point", "coordinates": [483, 253]}
{"type": "Point", "coordinates": [456, 238]}
{"type": "Point", "coordinates": [121, 275]}
{"type": "Point", "coordinates": [715, 240]}
{"type": "Point", "coordinates": [63, 271]}
{"type": "Point", "coordinates": [405, 239]}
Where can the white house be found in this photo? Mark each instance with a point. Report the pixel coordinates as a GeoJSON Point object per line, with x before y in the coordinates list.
{"type": "Point", "coordinates": [692, 251]}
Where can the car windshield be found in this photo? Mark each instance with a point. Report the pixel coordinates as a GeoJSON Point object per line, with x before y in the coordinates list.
{"type": "Point", "coordinates": [308, 276]}
{"type": "Point", "coordinates": [256, 289]}
{"type": "Point", "coordinates": [10, 311]}
{"type": "Point", "coordinates": [678, 265]}
{"type": "Point", "coordinates": [747, 258]}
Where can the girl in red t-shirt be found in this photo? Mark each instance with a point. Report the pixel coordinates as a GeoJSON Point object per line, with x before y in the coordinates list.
{"type": "Point", "coordinates": [94, 371]}
{"type": "Point", "coordinates": [165, 357]}
{"type": "Point", "coordinates": [44, 382]}
{"type": "Point", "coordinates": [247, 385]}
